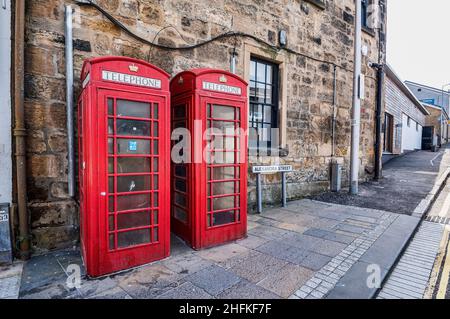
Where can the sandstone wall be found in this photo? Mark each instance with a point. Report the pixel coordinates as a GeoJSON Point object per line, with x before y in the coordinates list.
{"type": "Point", "coordinates": [326, 34]}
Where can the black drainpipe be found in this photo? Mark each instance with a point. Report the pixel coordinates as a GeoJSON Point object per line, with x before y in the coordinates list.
{"type": "Point", "coordinates": [378, 123]}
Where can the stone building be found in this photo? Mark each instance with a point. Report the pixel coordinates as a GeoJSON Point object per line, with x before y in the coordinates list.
{"type": "Point", "coordinates": [319, 37]}
{"type": "Point", "coordinates": [404, 118]}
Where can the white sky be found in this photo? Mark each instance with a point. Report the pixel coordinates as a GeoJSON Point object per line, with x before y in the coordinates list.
{"type": "Point", "coordinates": [418, 45]}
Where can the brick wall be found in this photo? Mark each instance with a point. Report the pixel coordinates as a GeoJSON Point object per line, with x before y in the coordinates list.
{"type": "Point", "coordinates": [326, 34]}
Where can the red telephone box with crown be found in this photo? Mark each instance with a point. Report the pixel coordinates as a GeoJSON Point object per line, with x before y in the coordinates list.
{"type": "Point", "coordinates": [209, 179]}
{"type": "Point", "coordinates": [123, 128]}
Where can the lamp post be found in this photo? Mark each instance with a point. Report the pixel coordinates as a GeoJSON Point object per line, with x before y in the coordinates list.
{"type": "Point", "coordinates": [447, 110]}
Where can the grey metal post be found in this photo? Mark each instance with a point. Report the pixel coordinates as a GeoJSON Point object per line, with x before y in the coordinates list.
{"type": "Point", "coordinates": [259, 193]}
{"type": "Point", "coordinates": [356, 111]}
{"type": "Point", "coordinates": [283, 189]}
{"type": "Point", "coordinates": [69, 99]}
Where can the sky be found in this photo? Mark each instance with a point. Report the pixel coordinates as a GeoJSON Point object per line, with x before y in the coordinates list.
{"type": "Point", "coordinates": [418, 35]}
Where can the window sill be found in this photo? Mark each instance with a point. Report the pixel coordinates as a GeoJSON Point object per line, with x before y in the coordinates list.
{"type": "Point", "coordinates": [318, 3]}
{"type": "Point", "coordinates": [369, 31]}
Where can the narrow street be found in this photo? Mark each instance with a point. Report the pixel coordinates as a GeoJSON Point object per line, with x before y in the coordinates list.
{"type": "Point", "coordinates": [423, 270]}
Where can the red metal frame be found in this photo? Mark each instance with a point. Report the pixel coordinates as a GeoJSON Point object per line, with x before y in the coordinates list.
{"type": "Point", "coordinates": [206, 224]}
{"type": "Point", "coordinates": [114, 238]}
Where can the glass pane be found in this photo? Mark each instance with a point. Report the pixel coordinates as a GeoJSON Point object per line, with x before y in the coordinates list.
{"type": "Point", "coordinates": [130, 146]}
{"type": "Point", "coordinates": [111, 241]}
{"type": "Point", "coordinates": [110, 126]}
{"type": "Point", "coordinates": [257, 113]}
{"type": "Point", "coordinates": [269, 74]}
{"type": "Point", "coordinates": [111, 185]}
{"type": "Point", "coordinates": [180, 214]}
{"type": "Point", "coordinates": [155, 129]}
{"type": "Point", "coordinates": [225, 202]}
{"type": "Point", "coordinates": [111, 222]}
{"type": "Point", "coordinates": [132, 127]}
{"type": "Point", "coordinates": [133, 164]}
{"type": "Point", "coordinates": [223, 112]}
{"type": "Point", "coordinates": [128, 202]}
{"type": "Point", "coordinates": [155, 182]}
{"type": "Point", "coordinates": [223, 157]}
{"type": "Point", "coordinates": [180, 170]}
{"type": "Point", "coordinates": [180, 199]}
{"type": "Point", "coordinates": [156, 234]}
{"type": "Point", "coordinates": [155, 111]}
{"type": "Point", "coordinates": [222, 188]}
{"type": "Point", "coordinates": [260, 92]}
{"type": "Point", "coordinates": [133, 220]}
{"type": "Point", "coordinates": [224, 127]}
{"type": "Point", "coordinates": [252, 70]}
{"type": "Point", "coordinates": [223, 218]}
{"type": "Point", "coordinates": [252, 91]}
{"type": "Point", "coordinates": [111, 165]}
{"type": "Point", "coordinates": [110, 146]}
{"type": "Point", "coordinates": [131, 238]}
{"type": "Point", "coordinates": [227, 172]}
{"type": "Point", "coordinates": [155, 147]}
{"type": "Point", "coordinates": [111, 204]}
{"type": "Point", "coordinates": [133, 108]}
{"type": "Point", "coordinates": [180, 185]}
{"type": "Point", "coordinates": [155, 164]}
{"type": "Point", "coordinates": [268, 94]}
{"type": "Point", "coordinates": [155, 217]}
{"type": "Point", "coordinates": [110, 106]}
{"type": "Point", "coordinates": [267, 114]}
{"type": "Point", "coordinates": [260, 72]}
{"type": "Point", "coordinates": [133, 183]}
{"type": "Point", "coordinates": [155, 200]}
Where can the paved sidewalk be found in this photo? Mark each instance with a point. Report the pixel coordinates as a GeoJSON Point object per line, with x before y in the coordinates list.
{"type": "Point", "coordinates": [10, 277]}
{"type": "Point", "coordinates": [308, 244]}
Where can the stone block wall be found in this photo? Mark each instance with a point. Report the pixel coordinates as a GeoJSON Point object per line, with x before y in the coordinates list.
{"type": "Point", "coordinates": [323, 30]}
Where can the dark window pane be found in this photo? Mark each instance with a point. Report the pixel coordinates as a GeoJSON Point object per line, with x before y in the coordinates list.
{"type": "Point", "coordinates": [223, 112]}
{"type": "Point", "coordinates": [180, 185]}
{"type": "Point", "coordinates": [131, 127]}
{"type": "Point", "coordinates": [131, 146]}
{"type": "Point", "coordinates": [110, 106]}
{"type": "Point", "coordinates": [133, 183]}
{"type": "Point", "coordinates": [180, 214]}
{"type": "Point", "coordinates": [128, 202]}
{"type": "Point", "coordinates": [180, 199]}
{"type": "Point", "coordinates": [132, 238]}
{"type": "Point", "coordinates": [133, 109]}
{"type": "Point", "coordinates": [133, 164]}
{"type": "Point", "coordinates": [132, 220]}
{"type": "Point", "coordinates": [223, 218]}
{"type": "Point", "coordinates": [180, 170]}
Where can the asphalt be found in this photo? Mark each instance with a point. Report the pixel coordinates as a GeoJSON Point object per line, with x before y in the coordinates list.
{"type": "Point", "coordinates": [406, 181]}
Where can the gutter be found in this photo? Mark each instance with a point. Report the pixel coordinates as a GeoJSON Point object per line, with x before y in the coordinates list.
{"type": "Point", "coordinates": [19, 131]}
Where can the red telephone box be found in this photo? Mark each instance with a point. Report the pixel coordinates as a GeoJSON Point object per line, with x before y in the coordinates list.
{"type": "Point", "coordinates": [123, 126]}
{"type": "Point", "coordinates": [209, 185]}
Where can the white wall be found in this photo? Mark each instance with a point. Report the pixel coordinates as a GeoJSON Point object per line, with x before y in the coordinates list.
{"type": "Point", "coordinates": [5, 103]}
{"type": "Point", "coordinates": [411, 136]}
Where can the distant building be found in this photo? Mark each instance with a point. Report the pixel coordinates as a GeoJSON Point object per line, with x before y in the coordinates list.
{"type": "Point", "coordinates": [436, 130]}
{"type": "Point", "coordinates": [405, 117]}
{"type": "Point", "coordinates": [429, 95]}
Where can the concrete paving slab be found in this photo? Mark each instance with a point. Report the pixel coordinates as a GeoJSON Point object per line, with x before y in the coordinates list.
{"type": "Point", "coordinates": [186, 291]}
{"type": "Point", "coordinates": [247, 290]}
{"type": "Point", "coordinates": [213, 279]}
{"type": "Point", "coordinates": [286, 280]}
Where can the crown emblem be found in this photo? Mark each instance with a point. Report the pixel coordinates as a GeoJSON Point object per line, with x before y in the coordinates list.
{"type": "Point", "coordinates": [180, 80]}
{"type": "Point", "coordinates": [223, 79]}
{"type": "Point", "coordinates": [133, 68]}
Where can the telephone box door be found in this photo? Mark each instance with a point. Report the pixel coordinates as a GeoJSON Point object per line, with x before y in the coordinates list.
{"type": "Point", "coordinates": [225, 165]}
{"type": "Point", "coordinates": [133, 214]}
